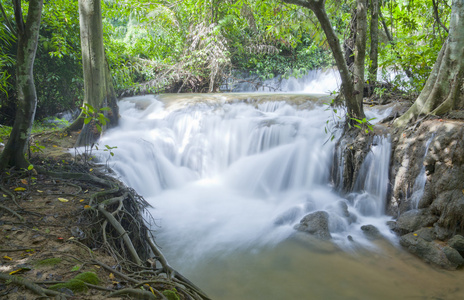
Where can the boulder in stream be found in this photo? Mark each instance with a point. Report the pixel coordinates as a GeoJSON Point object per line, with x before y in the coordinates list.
{"type": "Point", "coordinates": [432, 252]}
{"type": "Point", "coordinates": [316, 224]}
{"type": "Point", "coordinates": [457, 242]}
{"type": "Point", "coordinates": [413, 220]}
{"type": "Point", "coordinates": [371, 232]}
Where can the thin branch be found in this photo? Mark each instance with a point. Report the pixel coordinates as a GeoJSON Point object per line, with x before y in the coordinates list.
{"type": "Point", "coordinates": [437, 17]}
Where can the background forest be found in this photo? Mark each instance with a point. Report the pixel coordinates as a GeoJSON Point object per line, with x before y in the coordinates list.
{"type": "Point", "coordinates": [195, 45]}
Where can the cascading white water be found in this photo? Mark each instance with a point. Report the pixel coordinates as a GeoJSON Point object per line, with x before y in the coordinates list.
{"type": "Point", "coordinates": [229, 179]}
{"type": "Point", "coordinates": [225, 175]}
{"type": "Point", "coordinates": [421, 179]}
{"type": "Point", "coordinates": [372, 182]}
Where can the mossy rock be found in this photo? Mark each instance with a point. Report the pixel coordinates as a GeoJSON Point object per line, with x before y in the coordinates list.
{"type": "Point", "coordinates": [171, 294]}
{"type": "Point", "coordinates": [78, 283]}
{"type": "Point", "coordinates": [88, 277]}
{"type": "Point", "coordinates": [48, 262]}
{"type": "Point", "coordinates": [75, 285]}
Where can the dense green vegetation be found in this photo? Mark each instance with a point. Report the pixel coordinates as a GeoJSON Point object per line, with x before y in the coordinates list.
{"type": "Point", "coordinates": [193, 45]}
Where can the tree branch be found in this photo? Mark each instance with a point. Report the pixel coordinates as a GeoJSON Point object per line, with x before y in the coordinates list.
{"type": "Point", "coordinates": [437, 17]}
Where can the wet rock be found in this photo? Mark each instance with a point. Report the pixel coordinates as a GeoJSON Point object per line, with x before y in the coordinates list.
{"type": "Point", "coordinates": [350, 238]}
{"type": "Point", "coordinates": [441, 233]}
{"type": "Point", "coordinates": [371, 232]}
{"type": "Point", "coordinates": [457, 242]}
{"type": "Point", "coordinates": [316, 224]}
{"type": "Point", "coordinates": [413, 220]}
{"type": "Point", "coordinates": [453, 256]}
{"type": "Point", "coordinates": [391, 225]}
{"type": "Point", "coordinates": [430, 252]}
{"type": "Point", "coordinates": [427, 234]}
{"type": "Point", "coordinates": [343, 208]}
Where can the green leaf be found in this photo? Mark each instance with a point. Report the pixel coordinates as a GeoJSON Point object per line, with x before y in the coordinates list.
{"type": "Point", "coordinates": [30, 167]}
{"type": "Point", "coordinates": [105, 108]}
{"type": "Point", "coordinates": [87, 120]}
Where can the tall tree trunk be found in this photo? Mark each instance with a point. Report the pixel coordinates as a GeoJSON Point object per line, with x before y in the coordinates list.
{"type": "Point", "coordinates": [360, 50]}
{"type": "Point", "coordinates": [97, 82]}
{"type": "Point", "coordinates": [444, 89]}
{"type": "Point", "coordinates": [354, 107]}
{"type": "Point", "coordinates": [374, 53]}
{"type": "Point", "coordinates": [14, 153]}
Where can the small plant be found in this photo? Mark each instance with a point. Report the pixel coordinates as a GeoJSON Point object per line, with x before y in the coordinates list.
{"type": "Point", "coordinates": [363, 124]}
{"type": "Point", "coordinates": [36, 147]}
{"type": "Point", "coordinates": [379, 91]}
{"type": "Point", "coordinates": [91, 114]}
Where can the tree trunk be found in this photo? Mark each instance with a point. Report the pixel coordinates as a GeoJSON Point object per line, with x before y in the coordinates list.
{"type": "Point", "coordinates": [374, 53]}
{"type": "Point", "coordinates": [97, 82]}
{"type": "Point", "coordinates": [349, 44]}
{"type": "Point", "coordinates": [444, 89]}
{"type": "Point", "coordinates": [14, 153]}
{"type": "Point", "coordinates": [360, 50]}
{"type": "Point", "coordinates": [354, 107]}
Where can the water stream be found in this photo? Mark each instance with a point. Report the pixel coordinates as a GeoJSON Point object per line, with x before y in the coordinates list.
{"type": "Point", "coordinates": [230, 175]}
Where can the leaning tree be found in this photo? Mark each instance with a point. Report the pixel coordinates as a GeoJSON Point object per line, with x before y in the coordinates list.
{"type": "Point", "coordinates": [27, 34]}
{"type": "Point", "coordinates": [444, 89]}
{"type": "Point", "coordinates": [352, 88]}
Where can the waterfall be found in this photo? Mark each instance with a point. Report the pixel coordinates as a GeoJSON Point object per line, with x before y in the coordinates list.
{"type": "Point", "coordinates": [372, 183]}
{"type": "Point", "coordinates": [230, 175]}
{"type": "Point", "coordinates": [421, 179]}
{"type": "Point", "coordinates": [314, 82]}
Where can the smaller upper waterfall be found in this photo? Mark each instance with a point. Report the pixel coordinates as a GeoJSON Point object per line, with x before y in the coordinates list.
{"type": "Point", "coordinates": [421, 179]}
{"type": "Point", "coordinates": [314, 82]}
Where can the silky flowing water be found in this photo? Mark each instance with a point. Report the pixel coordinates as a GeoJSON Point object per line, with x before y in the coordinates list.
{"type": "Point", "coordinates": [229, 175]}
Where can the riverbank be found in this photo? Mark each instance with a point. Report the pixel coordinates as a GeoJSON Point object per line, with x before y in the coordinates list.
{"type": "Point", "coordinates": [53, 240]}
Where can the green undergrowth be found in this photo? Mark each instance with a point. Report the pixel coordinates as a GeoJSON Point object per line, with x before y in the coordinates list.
{"type": "Point", "coordinates": [171, 294]}
{"type": "Point", "coordinates": [78, 283]}
{"type": "Point", "coordinates": [48, 262]}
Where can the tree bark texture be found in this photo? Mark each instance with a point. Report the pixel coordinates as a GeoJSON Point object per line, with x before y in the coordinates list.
{"type": "Point", "coordinates": [374, 53]}
{"type": "Point", "coordinates": [444, 89]}
{"type": "Point", "coordinates": [15, 150]}
{"type": "Point", "coordinates": [97, 82]}
{"type": "Point", "coordinates": [354, 108]}
{"type": "Point", "coordinates": [360, 50]}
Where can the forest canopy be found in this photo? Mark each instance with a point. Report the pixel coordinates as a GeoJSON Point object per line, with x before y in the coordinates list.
{"type": "Point", "coordinates": [193, 46]}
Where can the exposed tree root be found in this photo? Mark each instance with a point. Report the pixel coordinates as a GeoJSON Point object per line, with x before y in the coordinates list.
{"type": "Point", "coordinates": [29, 285]}
{"type": "Point", "coordinates": [114, 221]}
{"type": "Point", "coordinates": [12, 212]}
{"type": "Point", "coordinates": [12, 196]}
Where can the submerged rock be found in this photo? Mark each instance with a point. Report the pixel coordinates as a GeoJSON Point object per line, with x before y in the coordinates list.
{"type": "Point", "coordinates": [316, 224]}
{"type": "Point", "coordinates": [371, 232]}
